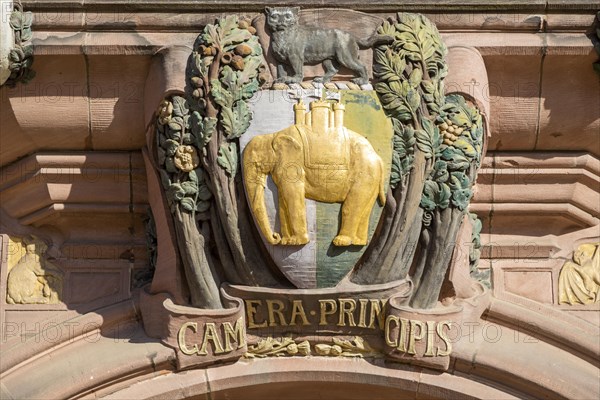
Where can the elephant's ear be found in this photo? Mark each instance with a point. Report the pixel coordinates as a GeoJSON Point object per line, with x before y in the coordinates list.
{"type": "Point", "coordinates": [285, 142]}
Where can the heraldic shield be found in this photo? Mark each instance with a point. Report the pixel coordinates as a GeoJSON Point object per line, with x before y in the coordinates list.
{"type": "Point", "coordinates": [324, 171]}
{"type": "Point", "coordinates": [315, 181]}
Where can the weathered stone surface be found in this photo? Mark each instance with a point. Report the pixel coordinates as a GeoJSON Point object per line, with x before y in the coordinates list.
{"type": "Point", "coordinates": [72, 173]}
{"type": "Point", "coordinates": [7, 40]}
{"type": "Point", "coordinates": [575, 118]}
{"type": "Point", "coordinates": [199, 337]}
{"type": "Point", "coordinates": [60, 88]}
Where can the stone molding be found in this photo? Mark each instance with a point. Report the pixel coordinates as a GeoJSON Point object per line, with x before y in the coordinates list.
{"type": "Point", "coordinates": [524, 338]}
{"type": "Point", "coordinates": [44, 185]}
{"type": "Point", "coordinates": [538, 184]}
{"type": "Point", "coordinates": [410, 5]}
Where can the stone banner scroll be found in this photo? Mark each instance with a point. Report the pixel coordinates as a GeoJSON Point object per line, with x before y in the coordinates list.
{"type": "Point", "coordinates": [332, 309]}
{"type": "Point", "coordinates": [346, 321]}
{"type": "Point", "coordinates": [199, 337]}
{"type": "Point", "coordinates": [419, 337]}
{"type": "Point", "coordinates": [425, 337]}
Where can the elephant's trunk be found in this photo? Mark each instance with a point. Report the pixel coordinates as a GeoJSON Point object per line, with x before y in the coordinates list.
{"type": "Point", "coordinates": [255, 180]}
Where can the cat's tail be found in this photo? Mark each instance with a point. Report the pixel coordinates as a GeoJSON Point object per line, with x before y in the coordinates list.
{"type": "Point", "coordinates": [375, 40]}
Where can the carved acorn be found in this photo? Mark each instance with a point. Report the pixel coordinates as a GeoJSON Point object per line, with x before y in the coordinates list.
{"type": "Point", "coordinates": [292, 349]}
{"type": "Point", "coordinates": [201, 102]}
{"type": "Point", "coordinates": [304, 348]}
{"type": "Point", "coordinates": [197, 93]}
{"type": "Point", "coordinates": [207, 50]}
{"type": "Point", "coordinates": [263, 74]}
{"type": "Point", "coordinates": [243, 50]}
{"type": "Point", "coordinates": [246, 24]}
{"type": "Point", "coordinates": [197, 81]}
{"type": "Point", "coordinates": [226, 58]}
{"type": "Point", "coordinates": [237, 62]}
{"type": "Point", "coordinates": [263, 77]}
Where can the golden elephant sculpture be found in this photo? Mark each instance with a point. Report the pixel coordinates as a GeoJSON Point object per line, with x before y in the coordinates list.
{"type": "Point", "coordinates": [319, 160]}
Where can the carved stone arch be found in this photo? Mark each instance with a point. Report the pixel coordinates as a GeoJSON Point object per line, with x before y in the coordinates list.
{"type": "Point", "coordinates": [505, 368]}
{"type": "Point", "coordinates": [309, 379]}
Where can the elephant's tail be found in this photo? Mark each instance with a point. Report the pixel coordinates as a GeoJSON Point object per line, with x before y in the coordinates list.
{"type": "Point", "coordinates": [381, 194]}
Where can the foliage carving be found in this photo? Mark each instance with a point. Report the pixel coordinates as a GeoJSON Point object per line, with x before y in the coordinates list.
{"type": "Point", "coordinates": [21, 56]}
{"type": "Point", "coordinates": [479, 275]}
{"type": "Point", "coordinates": [438, 142]}
{"type": "Point", "coordinates": [437, 150]}
{"type": "Point", "coordinates": [271, 347]}
{"type": "Point", "coordinates": [197, 153]}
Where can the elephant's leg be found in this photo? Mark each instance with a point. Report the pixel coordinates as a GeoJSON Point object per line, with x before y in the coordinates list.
{"type": "Point", "coordinates": [356, 211]}
{"type": "Point", "coordinates": [362, 232]}
{"type": "Point", "coordinates": [284, 218]}
{"type": "Point", "coordinates": [292, 209]}
{"type": "Point", "coordinates": [351, 214]}
{"type": "Point", "coordinates": [349, 224]}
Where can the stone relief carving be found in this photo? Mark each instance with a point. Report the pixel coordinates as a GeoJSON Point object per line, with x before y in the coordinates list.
{"type": "Point", "coordinates": [270, 347]}
{"type": "Point", "coordinates": [405, 143]}
{"type": "Point", "coordinates": [357, 347]}
{"type": "Point", "coordinates": [198, 158]}
{"type": "Point", "coordinates": [34, 279]}
{"type": "Point", "coordinates": [197, 147]}
{"type": "Point", "coordinates": [579, 279]}
{"type": "Point", "coordinates": [295, 45]}
{"type": "Point", "coordinates": [7, 40]}
{"type": "Point", "coordinates": [475, 252]}
{"type": "Point", "coordinates": [440, 136]}
{"type": "Point", "coordinates": [317, 141]}
{"type": "Point", "coordinates": [21, 55]}
{"type": "Point", "coordinates": [144, 276]}
{"type": "Point", "coordinates": [278, 347]}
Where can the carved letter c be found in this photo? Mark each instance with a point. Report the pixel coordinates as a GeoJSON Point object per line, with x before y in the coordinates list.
{"type": "Point", "coordinates": [181, 338]}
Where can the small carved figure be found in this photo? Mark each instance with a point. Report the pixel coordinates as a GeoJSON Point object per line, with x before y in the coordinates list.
{"type": "Point", "coordinates": [317, 158]}
{"type": "Point", "coordinates": [579, 280]}
{"type": "Point", "coordinates": [297, 45]}
{"type": "Point", "coordinates": [31, 280]}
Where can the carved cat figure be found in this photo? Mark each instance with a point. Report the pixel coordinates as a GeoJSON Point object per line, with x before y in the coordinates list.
{"type": "Point", "coordinates": [296, 45]}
